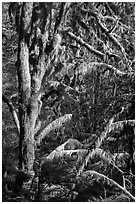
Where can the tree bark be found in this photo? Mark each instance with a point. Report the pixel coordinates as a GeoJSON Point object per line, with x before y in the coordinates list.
{"type": "Point", "coordinates": [24, 80]}
{"type": "Point", "coordinates": [30, 76]}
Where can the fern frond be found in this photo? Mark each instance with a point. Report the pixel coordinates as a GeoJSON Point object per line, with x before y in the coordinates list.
{"type": "Point", "coordinates": [56, 124]}
{"type": "Point", "coordinates": [92, 154]}
{"type": "Point", "coordinates": [121, 124]}
{"type": "Point", "coordinates": [67, 147]}
{"type": "Point", "coordinates": [84, 164]}
{"type": "Point", "coordinates": [56, 155]}
{"type": "Point", "coordinates": [70, 144]}
{"type": "Point", "coordinates": [113, 127]}
{"type": "Point", "coordinates": [107, 158]}
{"type": "Point", "coordinates": [99, 176]}
{"type": "Point", "coordinates": [116, 198]}
{"type": "Point", "coordinates": [102, 155]}
{"type": "Point", "coordinates": [104, 133]}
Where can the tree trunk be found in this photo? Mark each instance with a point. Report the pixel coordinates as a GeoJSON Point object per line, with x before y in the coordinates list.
{"type": "Point", "coordinates": [30, 76]}
{"type": "Point", "coordinates": [24, 83]}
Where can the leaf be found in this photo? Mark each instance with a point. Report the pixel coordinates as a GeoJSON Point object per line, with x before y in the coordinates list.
{"type": "Point", "coordinates": [98, 176]}
{"type": "Point", "coordinates": [104, 133]}
{"type": "Point", "coordinates": [121, 124]}
{"type": "Point", "coordinates": [69, 148]}
{"type": "Point", "coordinates": [55, 155]}
{"type": "Point", "coordinates": [111, 139]}
{"type": "Point", "coordinates": [102, 155]}
{"type": "Point", "coordinates": [56, 124]}
{"type": "Point", "coordinates": [116, 198]}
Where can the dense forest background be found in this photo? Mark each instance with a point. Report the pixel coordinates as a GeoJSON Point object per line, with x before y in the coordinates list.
{"type": "Point", "coordinates": [68, 112]}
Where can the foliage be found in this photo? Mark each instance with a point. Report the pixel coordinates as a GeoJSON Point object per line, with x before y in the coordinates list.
{"type": "Point", "coordinates": [80, 101]}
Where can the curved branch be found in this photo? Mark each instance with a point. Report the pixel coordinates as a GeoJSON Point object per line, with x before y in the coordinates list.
{"type": "Point", "coordinates": [111, 68]}
{"type": "Point", "coordinates": [12, 110]}
{"type": "Point", "coordinates": [103, 65]}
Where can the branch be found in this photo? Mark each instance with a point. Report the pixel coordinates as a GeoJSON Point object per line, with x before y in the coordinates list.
{"type": "Point", "coordinates": [59, 17]}
{"type": "Point", "coordinates": [106, 51]}
{"type": "Point", "coordinates": [110, 36]}
{"type": "Point", "coordinates": [37, 127]}
{"type": "Point", "coordinates": [56, 124]}
{"type": "Point", "coordinates": [82, 24]}
{"type": "Point", "coordinates": [109, 9]}
{"type": "Point", "coordinates": [114, 26]}
{"type": "Point", "coordinates": [96, 174]}
{"type": "Point", "coordinates": [106, 66]}
{"type": "Point", "coordinates": [13, 111]}
{"type": "Point", "coordinates": [104, 29]}
{"type": "Point", "coordinates": [111, 68]}
{"type": "Point", "coordinates": [83, 43]}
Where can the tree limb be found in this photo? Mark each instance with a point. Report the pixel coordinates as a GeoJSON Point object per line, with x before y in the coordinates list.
{"type": "Point", "coordinates": [103, 66]}
{"type": "Point", "coordinates": [104, 29]}
{"type": "Point", "coordinates": [83, 43]}
{"type": "Point", "coordinates": [12, 110]}
{"type": "Point", "coordinates": [59, 18]}
{"type": "Point", "coordinates": [111, 68]}
{"type": "Point", "coordinates": [114, 26]}
{"type": "Point", "coordinates": [110, 36]}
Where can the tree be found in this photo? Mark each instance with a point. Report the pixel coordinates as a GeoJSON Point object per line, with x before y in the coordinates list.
{"type": "Point", "coordinates": [34, 58]}
{"type": "Point", "coordinates": [79, 56]}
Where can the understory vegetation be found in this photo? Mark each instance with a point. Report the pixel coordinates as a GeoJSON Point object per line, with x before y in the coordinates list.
{"type": "Point", "coordinates": [68, 112]}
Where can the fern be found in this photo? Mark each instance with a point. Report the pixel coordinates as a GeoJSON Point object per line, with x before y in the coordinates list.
{"type": "Point", "coordinates": [104, 133]}
{"type": "Point", "coordinates": [69, 148]}
{"type": "Point", "coordinates": [102, 155]}
{"type": "Point", "coordinates": [56, 124]}
{"type": "Point", "coordinates": [55, 155]}
{"type": "Point", "coordinates": [100, 177]}
{"type": "Point", "coordinates": [116, 198]}
{"type": "Point", "coordinates": [121, 124]}
{"type": "Point", "coordinates": [113, 127]}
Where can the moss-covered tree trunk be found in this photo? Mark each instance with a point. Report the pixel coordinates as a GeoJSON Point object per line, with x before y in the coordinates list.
{"type": "Point", "coordinates": [30, 77]}
{"type": "Point", "coordinates": [38, 48]}
{"type": "Point", "coordinates": [24, 84]}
